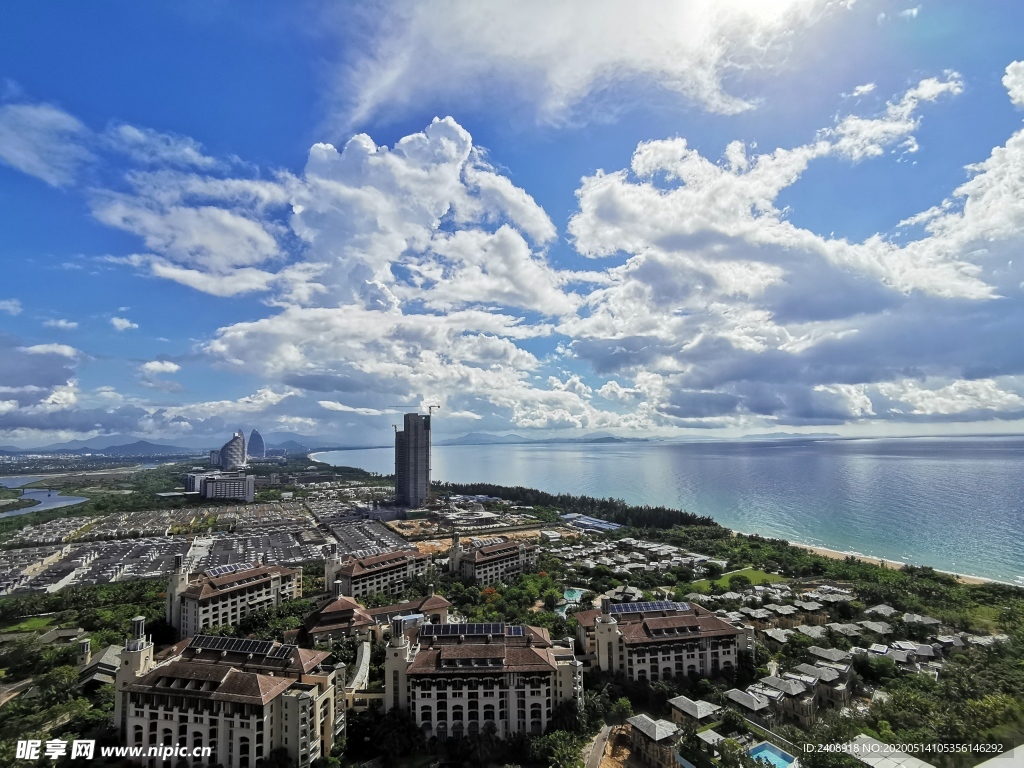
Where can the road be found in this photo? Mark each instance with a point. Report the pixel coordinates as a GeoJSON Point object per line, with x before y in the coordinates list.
{"type": "Point", "coordinates": [598, 747]}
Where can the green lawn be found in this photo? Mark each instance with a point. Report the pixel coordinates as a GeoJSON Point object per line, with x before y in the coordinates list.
{"type": "Point", "coordinates": [31, 624]}
{"type": "Point", "coordinates": [755, 575]}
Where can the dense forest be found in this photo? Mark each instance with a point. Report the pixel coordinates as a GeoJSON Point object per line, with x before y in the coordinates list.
{"type": "Point", "coordinates": [612, 510]}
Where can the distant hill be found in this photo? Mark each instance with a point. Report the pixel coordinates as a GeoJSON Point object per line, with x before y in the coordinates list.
{"type": "Point", "coordinates": [139, 448]}
{"type": "Point", "coordinates": [485, 438]}
{"type": "Point", "coordinates": [791, 436]}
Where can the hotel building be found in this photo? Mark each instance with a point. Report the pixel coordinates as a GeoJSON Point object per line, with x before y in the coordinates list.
{"type": "Point", "coordinates": [492, 563]}
{"type": "Point", "coordinates": [390, 572]}
{"type": "Point", "coordinates": [241, 699]}
{"type": "Point", "coordinates": [454, 678]}
{"type": "Point", "coordinates": [226, 594]}
{"type": "Point", "coordinates": [657, 640]}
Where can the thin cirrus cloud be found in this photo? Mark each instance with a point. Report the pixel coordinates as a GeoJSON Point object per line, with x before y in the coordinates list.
{"type": "Point", "coordinates": [556, 55]}
{"type": "Point", "coordinates": [63, 325]}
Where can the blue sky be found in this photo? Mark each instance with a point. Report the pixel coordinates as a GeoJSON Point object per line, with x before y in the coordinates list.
{"type": "Point", "coordinates": [662, 219]}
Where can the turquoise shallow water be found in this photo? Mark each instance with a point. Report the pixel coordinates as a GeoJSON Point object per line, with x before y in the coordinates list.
{"type": "Point", "coordinates": [953, 503]}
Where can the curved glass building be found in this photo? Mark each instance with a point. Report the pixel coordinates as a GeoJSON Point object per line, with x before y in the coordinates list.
{"type": "Point", "coordinates": [257, 449]}
{"type": "Point", "coordinates": [232, 455]}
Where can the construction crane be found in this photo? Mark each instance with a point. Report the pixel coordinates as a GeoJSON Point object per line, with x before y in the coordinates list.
{"type": "Point", "coordinates": [430, 408]}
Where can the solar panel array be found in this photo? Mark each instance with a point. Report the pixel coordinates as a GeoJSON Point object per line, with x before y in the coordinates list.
{"type": "Point", "coordinates": [282, 652]}
{"type": "Point", "coordinates": [660, 605]}
{"type": "Point", "coordinates": [224, 570]}
{"type": "Point", "coordinates": [444, 630]}
{"type": "Point", "coordinates": [232, 644]}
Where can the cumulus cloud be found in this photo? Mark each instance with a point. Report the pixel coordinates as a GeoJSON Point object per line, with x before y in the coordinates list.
{"type": "Point", "coordinates": [123, 323]}
{"type": "Point", "coordinates": [43, 141]}
{"type": "Point", "coordinates": [1013, 81]}
{"type": "Point", "coordinates": [160, 366]}
{"type": "Point", "coordinates": [10, 306]}
{"type": "Point", "coordinates": [554, 56]}
{"type": "Point", "coordinates": [419, 271]}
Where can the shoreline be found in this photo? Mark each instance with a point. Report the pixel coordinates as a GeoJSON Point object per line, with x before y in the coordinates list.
{"type": "Point", "coordinates": [835, 554]}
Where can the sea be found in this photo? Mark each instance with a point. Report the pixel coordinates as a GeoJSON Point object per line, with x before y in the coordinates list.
{"type": "Point", "coordinates": [956, 504]}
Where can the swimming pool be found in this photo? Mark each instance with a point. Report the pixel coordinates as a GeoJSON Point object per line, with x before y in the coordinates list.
{"type": "Point", "coordinates": [771, 754]}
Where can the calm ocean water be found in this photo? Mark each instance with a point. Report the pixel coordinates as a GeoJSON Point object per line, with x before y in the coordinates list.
{"type": "Point", "coordinates": [952, 503]}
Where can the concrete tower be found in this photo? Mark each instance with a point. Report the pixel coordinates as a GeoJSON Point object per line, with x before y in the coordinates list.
{"type": "Point", "coordinates": [331, 568]}
{"type": "Point", "coordinates": [177, 585]}
{"type": "Point", "coordinates": [136, 661]}
{"type": "Point", "coordinates": [412, 461]}
{"type": "Point", "coordinates": [396, 663]}
{"type": "Point", "coordinates": [606, 638]}
{"type": "Point", "coordinates": [84, 652]}
{"type": "Point", "coordinates": [455, 558]}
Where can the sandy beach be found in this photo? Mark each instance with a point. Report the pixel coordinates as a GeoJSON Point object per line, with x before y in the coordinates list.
{"type": "Point", "coordinates": [837, 555]}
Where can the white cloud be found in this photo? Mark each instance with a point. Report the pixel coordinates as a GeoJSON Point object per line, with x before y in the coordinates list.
{"type": "Point", "coordinates": [1013, 81]}
{"type": "Point", "coordinates": [863, 90]}
{"type": "Point", "coordinates": [64, 325]}
{"type": "Point", "coordinates": [52, 349]}
{"type": "Point", "coordinates": [957, 397]}
{"type": "Point", "coordinates": [910, 13]}
{"type": "Point", "coordinates": [557, 55]}
{"type": "Point", "coordinates": [10, 306]}
{"type": "Point", "coordinates": [123, 323]}
{"type": "Point", "coordinates": [332, 405]}
{"type": "Point", "coordinates": [860, 137]}
{"type": "Point", "coordinates": [42, 141]}
{"type": "Point", "coordinates": [145, 145]}
{"type": "Point", "coordinates": [159, 366]}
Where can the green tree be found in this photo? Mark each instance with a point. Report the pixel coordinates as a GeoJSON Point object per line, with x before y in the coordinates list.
{"type": "Point", "coordinates": [621, 710]}
{"type": "Point", "coordinates": [397, 734]}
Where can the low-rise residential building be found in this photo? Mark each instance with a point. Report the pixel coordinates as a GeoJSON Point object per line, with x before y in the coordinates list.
{"type": "Point", "coordinates": [226, 594]}
{"type": "Point", "coordinates": [699, 711]}
{"type": "Point", "coordinates": [239, 699]}
{"type": "Point", "coordinates": [755, 707]}
{"type": "Point", "coordinates": [658, 640]}
{"type": "Point", "coordinates": [454, 678]}
{"type": "Point", "coordinates": [653, 741]}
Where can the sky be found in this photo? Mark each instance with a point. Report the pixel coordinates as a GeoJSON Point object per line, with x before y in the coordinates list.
{"type": "Point", "coordinates": [669, 219]}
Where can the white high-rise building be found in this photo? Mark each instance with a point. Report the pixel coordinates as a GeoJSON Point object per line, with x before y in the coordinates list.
{"type": "Point", "coordinates": [232, 454]}
{"type": "Point", "coordinates": [412, 461]}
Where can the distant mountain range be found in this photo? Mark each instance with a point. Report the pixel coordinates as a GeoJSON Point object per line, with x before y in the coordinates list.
{"type": "Point", "coordinates": [485, 438]}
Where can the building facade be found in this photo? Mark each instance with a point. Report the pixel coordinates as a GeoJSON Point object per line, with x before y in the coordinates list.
{"type": "Point", "coordinates": [455, 678]}
{"type": "Point", "coordinates": [256, 448]}
{"type": "Point", "coordinates": [492, 563]}
{"type": "Point", "coordinates": [653, 741]}
{"type": "Point", "coordinates": [232, 453]}
{"type": "Point", "coordinates": [221, 485]}
{"type": "Point", "coordinates": [226, 594]}
{"type": "Point", "coordinates": [412, 461]}
{"type": "Point", "coordinates": [658, 640]}
{"type": "Point", "coordinates": [390, 572]}
{"type": "Point", "coordinates": [239, 699]}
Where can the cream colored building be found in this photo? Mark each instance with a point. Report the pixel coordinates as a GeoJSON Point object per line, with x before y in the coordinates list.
{"type": "Point", "coordinates": [492, 563]}
{"type": "Point", "coordinates": [658, 640]}
{"type": "Point", "coordinates": [390, 572]}
{"type": "Point", "coordinates": [239, 698]}
{"type": "Point", "coordinates": [227, 594]}
{"type": "Point", "coordinates": [455, 678]}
